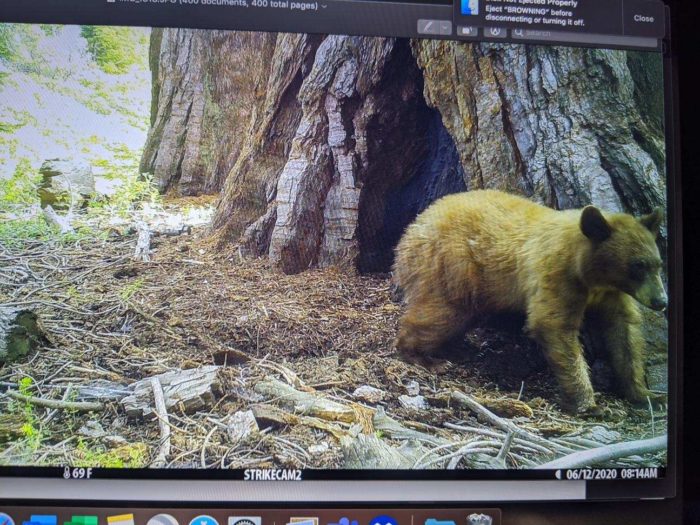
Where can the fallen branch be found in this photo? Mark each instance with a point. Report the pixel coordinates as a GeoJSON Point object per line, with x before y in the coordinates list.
{"type": "Point", "coordinates": [370, 452]}
{"type": "Point", "coordinates": [266, 415]}
{"type": "Point", "coordinates": [500, 461]}
{"type": "Point", "coordinates": [600, 455]}
{"type": "Point", "coordinates": [506, 426]}
{"type": "Point", "coordinates": [306, 403]}
{"type": "Point", "coordinates": [189, 390]}
{"type": "Point", "coordinates": [163, 422]}
{"type": "Point", "coordinates": [396, 430]}
{"type": "Point", "coordinates": [80, 406]}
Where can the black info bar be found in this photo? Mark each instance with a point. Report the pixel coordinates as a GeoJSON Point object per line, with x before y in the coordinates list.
{"type": "Point", "coordinates": [596, 23]}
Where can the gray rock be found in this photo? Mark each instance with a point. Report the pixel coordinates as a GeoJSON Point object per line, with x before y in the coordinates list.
{"type": "Point", "coordinates": [413, 402]}
{"type": "Point", "coordinates": [65, 183]}
{"type": "Point", "coordinates": [241, 425]}
{"type": "Point", "coordinates": [319, 448]}
{"type": "Point", "coordinates": [369, 394]}
{"type": "Point", "coordinates": [114, 441]}
{"type": "Point", "coordinates": [413, 388]}
{"type": "Point", "coordinates": [92, 429]}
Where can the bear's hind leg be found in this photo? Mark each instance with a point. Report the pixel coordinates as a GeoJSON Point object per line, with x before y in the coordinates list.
{"type": "Point", "coordinates": [616, 318]}
{"type": "Point", "coordinates": [425, 327]}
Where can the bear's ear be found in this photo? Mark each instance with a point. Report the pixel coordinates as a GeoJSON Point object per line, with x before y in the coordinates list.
{"type": "Point", "coordinates": [652, 222]}
{"type": "Point", "coordinates": [593, 224]}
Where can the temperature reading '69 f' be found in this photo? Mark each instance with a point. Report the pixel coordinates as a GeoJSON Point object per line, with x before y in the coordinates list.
{"type": "Point", "coordinates": [77, 472]}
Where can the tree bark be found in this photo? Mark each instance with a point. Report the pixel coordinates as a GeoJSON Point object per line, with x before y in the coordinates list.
{"type": "Point", "coordinates": [202, 100]}
{"type": "Point", "coordinates": [250, 189]}
{"type": "Point", "coordinates": [561, 125]}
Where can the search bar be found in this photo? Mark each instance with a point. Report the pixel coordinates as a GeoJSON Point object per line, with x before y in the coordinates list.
{"type": "Point", "coordinates": [584, 38]}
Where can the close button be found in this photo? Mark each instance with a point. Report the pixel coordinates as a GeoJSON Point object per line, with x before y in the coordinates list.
{"type": "Point", "coordinates": [644, 18]}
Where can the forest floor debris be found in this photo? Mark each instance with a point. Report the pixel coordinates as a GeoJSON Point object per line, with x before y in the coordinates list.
{"type": "Point", "coordinates": [199, 358]}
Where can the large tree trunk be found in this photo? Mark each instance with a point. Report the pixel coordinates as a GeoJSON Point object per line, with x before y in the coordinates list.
{"type": "Point", "coordinates": [249, 193]}
{"type": "Point", "coordinates": [348, 138]}
{"type": "Point", "coordinates": [202, 100]}
{"type": "Point", "coordinates": [364, 155]}
{"type": "Point", "coordinates": [563, 125]}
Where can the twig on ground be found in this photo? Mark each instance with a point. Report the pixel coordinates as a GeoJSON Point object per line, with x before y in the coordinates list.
{"type": "Point", "coordinates": [601, 455]}
{"type": "Point", "coordinates": [506, 426]}
{"type": "Point", "coordinates": [161, 412]}
{"type": "Point", "coordinates": [54, 403]}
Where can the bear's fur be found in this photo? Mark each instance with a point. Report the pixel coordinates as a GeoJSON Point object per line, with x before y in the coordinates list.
{"type": "Point", "coordinates": [486, 251]}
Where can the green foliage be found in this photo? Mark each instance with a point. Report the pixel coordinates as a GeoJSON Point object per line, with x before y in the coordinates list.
{"type": "Point", "coordinates": [15, 232]}
{"type": "Point", "coordinates": [6, 44]}
{"type": "Point", "coordinates": [31, 428]}
{"type": "Point", "coordinates": [134, 188]}
{"type": "Point", "coordinates": [130, 289]}
{"type": "Point", "coordinates": [19, 50]}
{"type": "Point", "coordinates": [114, 49]}
{"type": "Point", "coordinates": [128, 456]}
{"type": "Point", "coordinates": [20, 190]}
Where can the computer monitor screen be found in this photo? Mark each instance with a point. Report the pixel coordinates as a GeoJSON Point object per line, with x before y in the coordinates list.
{"type": "Point", "coordinates": [238, 250]}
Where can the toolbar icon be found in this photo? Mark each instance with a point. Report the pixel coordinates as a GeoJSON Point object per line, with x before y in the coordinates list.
{"type": "Point", "coordinates": [469, 7]}
{"type": "Point", "coordinates": [303, 521]}
{"type": "Point", "coordinates": [122, 519]}
{"type": "Point", "coordinates": [468, 31]}
{"type": "Point", "coordinates": [204, 520]}
{"type": "Point", "coordinates": [479, 519]}
{"type": "Point", "coordinates": [82, 520]}
{"type": "Point", "coordinates": [41, 519]}
{"type": "Point", "coordinates": [244, 520]}
{"type": "Point", "coordinates": [383, 520]}
{"type": "Point", "coordinates": [5, 519]}
{"type": "Point", "coordinates": [345, 521]}
{"type": "Point", "coordinates": [496, 32]}
{"type": "Point", "coordinates": [162, 519]}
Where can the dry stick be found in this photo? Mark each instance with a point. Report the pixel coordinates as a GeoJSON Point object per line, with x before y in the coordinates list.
{"type": "Point", "coordinates": [460, 453]}
{"type": "Point", "coordinates": [433, 451]}
{"type": "Point", "coordinates": [162, 414]}
{"type": "Point", "coordinates": [607, 453]}
{"type": "Point", "coordinates": [53, 403]}
{"type": "Point", "coordinates": [143, 244]}
{"type": "Point", "coordinates": [521, 443]}
{"type": "Point", "coordinates": [500, 460]}
{"type": "Point", "coordinates": [53, 412]}
{"type": "Point", "coordinates": [651, 411]}
{"type": "Point", "coordinates": [202, 455]}
{"type": "Point", "coordinates": [504, 425]}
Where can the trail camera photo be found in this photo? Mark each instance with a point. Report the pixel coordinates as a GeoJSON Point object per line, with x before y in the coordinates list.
{"type": "Point", "coordinates": [239, 250]}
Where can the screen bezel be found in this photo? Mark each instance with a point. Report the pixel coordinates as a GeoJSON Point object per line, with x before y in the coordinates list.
{"type": "Point", "coordinates": [72, 12]}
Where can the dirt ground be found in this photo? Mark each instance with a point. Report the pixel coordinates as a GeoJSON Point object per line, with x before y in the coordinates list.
{"type": "Point", "coordinates": [111, 320]}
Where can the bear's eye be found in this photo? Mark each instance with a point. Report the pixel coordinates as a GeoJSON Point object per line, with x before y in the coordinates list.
{"type": "Point", "coordinates": [637, 270]}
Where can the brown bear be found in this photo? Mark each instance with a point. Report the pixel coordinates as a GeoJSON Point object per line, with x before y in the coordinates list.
{"type": "Point", "coordinates": [486, 251]}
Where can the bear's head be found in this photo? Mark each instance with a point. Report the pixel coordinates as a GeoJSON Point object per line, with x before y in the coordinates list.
{"type": "Point", "coordinates": [624, 254]}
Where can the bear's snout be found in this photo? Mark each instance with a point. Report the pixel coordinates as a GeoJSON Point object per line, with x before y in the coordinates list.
{"type": "Point", "coordinates": [659, 303]}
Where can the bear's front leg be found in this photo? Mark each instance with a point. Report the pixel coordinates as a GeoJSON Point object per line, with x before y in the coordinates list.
{"type": "Point", "coordinates": [559, 337]}
{"type": "Point", "coordinates": [615, 316]}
